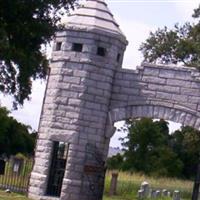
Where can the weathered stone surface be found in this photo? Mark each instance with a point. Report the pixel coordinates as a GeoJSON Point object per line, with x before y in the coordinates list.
{"type": "Point", "coordinates": [87, 93]}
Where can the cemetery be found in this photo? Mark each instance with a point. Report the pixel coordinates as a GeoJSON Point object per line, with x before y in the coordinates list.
{"type": "Point", "coordinates": [87, 92]}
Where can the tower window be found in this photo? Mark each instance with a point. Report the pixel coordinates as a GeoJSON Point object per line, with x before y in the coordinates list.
{"type": "Point", "coordinates": [118, 57]}
{"type": "Point", "coordinates": [101, 51]}
{"type": "Point", "coordinates": [78, 47]}
{"type": "Point", "coordinates": [58, 46]}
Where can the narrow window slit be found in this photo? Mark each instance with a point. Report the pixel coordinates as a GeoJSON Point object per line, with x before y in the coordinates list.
{"type": "Point", "coordinates": [78, 47]}
{"type": "Point", "coordinates": [58, 46]}
{"type": "Point", "coordinates": [118, 57]}
{"type": "Point", "coordinates": [101, 51]}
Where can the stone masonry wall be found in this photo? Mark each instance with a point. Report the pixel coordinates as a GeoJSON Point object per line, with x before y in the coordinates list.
{"type": "Point", "coordinates": [87, 93]}
{"type": "Point", "coordinates": [168, 92]}
{"type": "Point", "coordinates": [75, 112]}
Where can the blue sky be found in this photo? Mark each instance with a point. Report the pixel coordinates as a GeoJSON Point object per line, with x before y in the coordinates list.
{"type": "Point", "coordinates": [136, 19]}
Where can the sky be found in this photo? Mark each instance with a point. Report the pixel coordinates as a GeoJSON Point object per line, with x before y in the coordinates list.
{"type": "Point", "coordinates": [136, 19]}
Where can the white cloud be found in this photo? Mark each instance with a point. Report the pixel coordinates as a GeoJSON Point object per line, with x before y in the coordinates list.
{"type": "Point", "coordinates": [29, 114]}
{"type": "Point", "coordinates": [136, 33]}
{"type": "Point", "coordinates": [185, 8]}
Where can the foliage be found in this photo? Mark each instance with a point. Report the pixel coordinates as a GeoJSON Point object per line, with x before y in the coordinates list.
{"type": "Point", "coordinates": [146, 148]}
{"type": "Point", "coordinates": [179, 45]}
{"type": "Point", "coordinates": [150, 149]}
{"type": "Point", "coordinates": [115, 162]}
{"type": "Point", "coordinates": [24, 27]}
{"type": "Point", "coordinates": [185, 144]}
{"type": "Point", "coordinates": [14, 136]}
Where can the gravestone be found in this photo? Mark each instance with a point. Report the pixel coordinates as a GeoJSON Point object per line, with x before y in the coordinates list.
{"type": "Point", "coordinates": [145, 187]}
{"type": "Point", "coordinates": [164, 192]}
{"type": "Point", "coordinates": [141, 194]}
{"type": "Point", "coordinates": [176, 195]}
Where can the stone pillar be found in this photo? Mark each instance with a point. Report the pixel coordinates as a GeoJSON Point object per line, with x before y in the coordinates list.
{"type": "Point", "coordinates": [75, 109]}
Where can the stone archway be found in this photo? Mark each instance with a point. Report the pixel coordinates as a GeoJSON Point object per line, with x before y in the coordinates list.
{"type": "Point", "coordinates": [88, 91]}
{"type": "Point", "coordinates": [183, 116]}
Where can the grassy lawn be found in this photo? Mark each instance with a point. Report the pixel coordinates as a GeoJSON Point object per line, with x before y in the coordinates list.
{"type": "Point", "coordinates": [128, 185]}
{"type": "Point", "coordinates": [12, 196]}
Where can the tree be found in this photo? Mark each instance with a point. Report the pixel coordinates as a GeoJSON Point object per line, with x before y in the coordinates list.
{"type": "Point", "coordinates": [185, 144]}
{"type": "Point", "coordinates": [147, 150]}
{"type": "Point", "coordinates": [14, 136]}
{"type": "Point", "coordinates": [115, 162]}
{"type": "Point", "coordinates": [179, 45]}
{"type": "Point", "coordinates": [24, 27]}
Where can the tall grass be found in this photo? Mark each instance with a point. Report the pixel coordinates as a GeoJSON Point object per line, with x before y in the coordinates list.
{"type": "Point", "coordinates": [129, 183]}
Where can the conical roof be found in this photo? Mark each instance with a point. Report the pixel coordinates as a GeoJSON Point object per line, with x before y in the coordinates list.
{"type": "Point", "coordinates": [95, 15]}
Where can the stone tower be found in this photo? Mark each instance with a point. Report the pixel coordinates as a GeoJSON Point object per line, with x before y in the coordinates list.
{"type": "Point", "coordinates": [72, 143]}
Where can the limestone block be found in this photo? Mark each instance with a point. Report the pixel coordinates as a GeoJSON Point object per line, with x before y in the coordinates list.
{"type": "Point", "coordinates": [181, 83]}
{"type": "Point", "coordinates": [107, 94]}
{"type": "Point", "coordinates": [172, 115]}
{"type": "Point", "coordinates": [120, 97]}
{"type": "Point", "coordinates": [97, 77]}
{"type": "Point", "coordinates": [154, 79]}
{"type": "Point", "coordinates": [182, 117]}
{"type": "Point", "coordinates": [177, 115]}
{"type": "Point", "coordinates": [189, 120]}
{"type": "Point", "coordinates": [164, 95]}
{"type": "Point", "coordinates": [193, 99]}
{"type": "Point", "coordinates": [197, 124]}
{"type": "Point", "coordinates": [80, 73]}
{"type": "Point", "coordinates": [161, 112]}
{"type": "Point", "coordinates": [190, 91]}
{"type": "Point", "coordinates": [195, 85]}
{"type": "Point", "coordinates": [166, 73]}
{"type": "Point", "coordinates": [122, 83]}
{"type": "Point", "coordinates": [130, 91]}
{"type": "Point", "coordinates": [71, 79]}
{"type": "Point", "coordinates": [86, 96]}
{"type": "Point", "coordinates": [92, 105]}
{"type": "Point", "coordinates": [164, 88]}
{"type": "Point", "coordinates": [68, 94]}
{"type": "Point", "coordinates": [95, 91]}
{"type": "Point", "coordinates": [183, 75]}
{"type": "Point", "coordinates": [148, 93]}
{"type": "Point", "coordinates": [116, 89]}
{"type": "Point", "coordinates": [180, 98]}
{"type": "Point", "coordinates": [139, 111]}
{"type": "Point", "coordinates": [103, 85]}
{"type": "Point", "coordinates": [102, 100]}
{"type": "Point", "coordinates": [75, 102]}
{"type": "Point", "coordinates": [151, 71]}
{"type": "Point", "coordinates": [78, 88]}
{"type": "Point", "coordinates": [156, 111]}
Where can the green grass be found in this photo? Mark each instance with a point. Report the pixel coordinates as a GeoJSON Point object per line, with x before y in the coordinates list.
{"type": "Point", "coordinates": [128, 185]}
{"type": "Point", "coordinates": [12, 196]}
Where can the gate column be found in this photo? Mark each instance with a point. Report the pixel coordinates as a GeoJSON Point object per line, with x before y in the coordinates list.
{"type": "Point", "coordinates": [70, 152]}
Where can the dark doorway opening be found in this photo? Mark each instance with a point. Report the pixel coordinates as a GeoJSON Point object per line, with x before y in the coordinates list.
{"type": "Point", "coordinates": [57, 170]}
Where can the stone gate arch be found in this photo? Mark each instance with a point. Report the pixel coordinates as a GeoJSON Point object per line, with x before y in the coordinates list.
{"type": "Point", "coordinates": [183, 116]}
